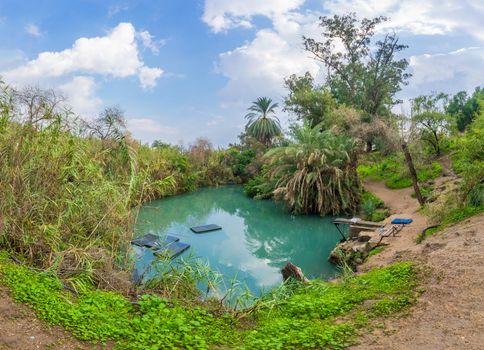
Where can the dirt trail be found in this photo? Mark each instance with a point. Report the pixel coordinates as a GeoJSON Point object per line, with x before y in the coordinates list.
{"type": "Point", "coordinates": [20, 330]}
{"type": "Point", "coordinates": [450, 313]}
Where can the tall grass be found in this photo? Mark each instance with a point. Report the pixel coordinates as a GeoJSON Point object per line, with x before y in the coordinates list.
{"type": "Point", "coordinates": [69, 199]}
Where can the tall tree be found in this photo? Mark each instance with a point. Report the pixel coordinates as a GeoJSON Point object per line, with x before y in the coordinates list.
{"type": "Point", "coordinates": [262, 121]}
{"type": "Point", "coordinates": [315, 173]}
{"type": "Point", "coordinates": [429, 116]}
{"type": "Point", "coordinates": [307, 101]}
{"type": "Point", "coordinates": [358, 76]}
{"type": "Point", "coordinates": [464, 108]}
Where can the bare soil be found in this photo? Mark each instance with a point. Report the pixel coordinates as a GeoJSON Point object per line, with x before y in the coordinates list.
{"type": "Point", "coordinates": [450, 312]}
{"type": "Point", "coordinates": [21, 330]}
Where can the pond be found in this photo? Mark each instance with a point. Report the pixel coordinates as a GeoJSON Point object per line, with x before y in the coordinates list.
{"type": "Point", "coordinates": [257, 238]}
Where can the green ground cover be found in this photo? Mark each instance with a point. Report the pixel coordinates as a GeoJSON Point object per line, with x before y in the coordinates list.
{"type": "Point", "coordinates": [393, 170]}
{"type": "Point", "coordinates": [303, 316]}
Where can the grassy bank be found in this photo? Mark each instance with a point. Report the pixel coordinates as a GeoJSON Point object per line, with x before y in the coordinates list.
{"type": "Point", "coordinates": [319, 314]}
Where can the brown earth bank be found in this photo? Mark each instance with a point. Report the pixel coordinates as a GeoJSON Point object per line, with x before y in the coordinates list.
{"type": "Point", "coordinates": [21, 330]}
{"type": "Point", "coordinates": [450, 312]}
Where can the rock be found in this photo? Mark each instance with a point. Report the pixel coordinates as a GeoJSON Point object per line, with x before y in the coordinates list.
{"type": "Point", "coordinates": [294, 272]}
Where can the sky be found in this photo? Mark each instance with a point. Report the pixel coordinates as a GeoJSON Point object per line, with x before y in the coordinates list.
{"type": "Point", "coordinates": [183, 69]}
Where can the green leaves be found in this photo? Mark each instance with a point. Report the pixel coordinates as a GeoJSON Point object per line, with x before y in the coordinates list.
{"type": "Point", "coordinates": [293, 317]}
{"type": "Point", "coordinates": [314, 174]}
{"type": "Point", "coordinates": [262, 124]}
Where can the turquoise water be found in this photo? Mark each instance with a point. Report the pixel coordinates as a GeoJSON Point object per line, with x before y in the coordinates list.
{"type": "Point", "coordinates": [256, 240]}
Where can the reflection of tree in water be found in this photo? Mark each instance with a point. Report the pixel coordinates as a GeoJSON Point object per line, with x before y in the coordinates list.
{"type": "Point", "coordinates": [159, 215]}
{"type": "Point", "coordinates": [271, 232]}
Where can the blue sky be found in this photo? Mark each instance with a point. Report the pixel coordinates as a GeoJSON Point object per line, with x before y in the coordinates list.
{"type": "Point", "coordinates": [187, 69]}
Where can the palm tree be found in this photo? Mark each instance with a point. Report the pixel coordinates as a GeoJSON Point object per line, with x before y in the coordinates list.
{"type": "Point", "coordinates": [262, 124]}
{"type": "Point", "coordinates": [315, 173]}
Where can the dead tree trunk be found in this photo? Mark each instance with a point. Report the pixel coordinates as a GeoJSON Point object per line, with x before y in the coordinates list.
{"type": "Point", "coordinates": [413, 174]}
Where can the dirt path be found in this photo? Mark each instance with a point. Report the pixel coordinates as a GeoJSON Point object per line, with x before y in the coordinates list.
{"type": "Point", "coordinates": [20, 330]}
{"type": "Point", "coordinates": [450, 313]}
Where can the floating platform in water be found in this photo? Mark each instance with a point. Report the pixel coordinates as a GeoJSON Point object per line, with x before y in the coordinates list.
{"type": "Point", "coordinates": [172, 250]}
{"type": "Point", "coordinates": [154, 241]}
{"type": "Point", "coordinates": [205, 228]}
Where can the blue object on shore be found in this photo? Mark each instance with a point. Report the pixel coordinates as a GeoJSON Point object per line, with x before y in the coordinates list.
{"type": "Point", "coordinates": [172, 250]}
{"type": "Point", "coordinates": [205, 228]}
{"type": "Point", "coordinates": [401, 221]}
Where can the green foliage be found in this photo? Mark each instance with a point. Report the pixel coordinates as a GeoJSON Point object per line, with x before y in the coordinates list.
{"type": "Point", "coordinates": [305, 318]}
{"type": "Point", "coordinates": [290, 317]}
{"type": "Point", "coordinates": [391, 305]}
{"type": "Point", "coordinates": [99, 316]}
{"type": "Point", "coordinates": [309, 103]}
{"type": "Point", "coordinates": [376, 251]}
{"type": "Point", "coordinates": [262, 124]}
{"type": "Point", "coordinates": [315, 173]}
{"type": "Point", "coordinates": [372, 207]}
{"type": "Point", "coordinates": [468, 160]}
{"type": "Point", "coordinates": [393, 171]}
{"type": "Point", "coordinates": [70, 206]}
{"type": "Point", "coordinates": [370, 197]}
{"type": "Point", "coordinates": [464, 108]}
{"type": "Point", "coordinates": [363, 75]}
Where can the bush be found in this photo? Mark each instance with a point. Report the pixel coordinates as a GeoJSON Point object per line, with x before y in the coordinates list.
{"type": "Point", "coordinates": [394, 172]}
{"type": "Point", "coordinates": [372, 207]}
{"type": "Point", "coordinates": [299, 316]}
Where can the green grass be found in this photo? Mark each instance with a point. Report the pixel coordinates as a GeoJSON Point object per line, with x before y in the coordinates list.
{"type": "Point", "coordinates": [375, 251]}
{"type": "Point", "coordinates": [394, 172]}
{"type": "Point", "coordinates": [455, 216]}
{"type": "Point", "coordinates": [304, 318]}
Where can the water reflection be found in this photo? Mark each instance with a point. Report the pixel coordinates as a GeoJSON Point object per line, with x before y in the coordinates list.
{"type": "Point", "coordinates": [256, 240]}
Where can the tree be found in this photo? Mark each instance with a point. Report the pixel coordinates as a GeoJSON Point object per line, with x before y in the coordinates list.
{"type": "Point", "coordinates": [110, 125]}
{"type": "Point", "coordinates": [308, 102]}
{"type": "Point", "coordinates": [428, 116]}
{"type": "Point", "coordinates": [413, 173]}
{"type": "Point", "coordinates": [357, 76]}
{"type": "Point", "coordinates": [464, 108]}
{"type": "Point", "coordinates": [262, 122]}
{"type": "Point", "coordinates": [315, 173]}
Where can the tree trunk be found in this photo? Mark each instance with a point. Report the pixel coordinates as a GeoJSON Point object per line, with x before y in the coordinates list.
{"type": "Point", "coordinates": [413, 173]}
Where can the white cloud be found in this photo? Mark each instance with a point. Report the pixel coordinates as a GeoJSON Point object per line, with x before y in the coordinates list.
{"type": "Point", "coordinates": [148, 129]}
{"type": "Point", "coordinates": [148, 76]}
{"type": "Point", "coordinates": [150, 43]}
{"type": "Point", "coordinates": [33, 30]}
{"type": "Point", "coordinates": [448, 72]}
{"type": "Point", "coordinates": [80, 94]}
{"type": "Point", "coordinates": [115, 54]}
{"type": "Point", "coordinates": [221, 15]}
{"type": "Point", "coordinates": [430, 17]}
{"type": "Point", "coordinates": [115, 9]}
{"type": "Point", "coordinates": [259, 67]}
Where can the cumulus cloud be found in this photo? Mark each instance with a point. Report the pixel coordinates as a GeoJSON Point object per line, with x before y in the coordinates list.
{"type": "Point", "coordinates": [115, 54]}
{"type": "Point", "coordinates": [221, 15]}
{"type": "Point", "coordinates": [260, 66]}
{"type": "Point", "coordinates": [150, 42]}
{"type": "Point", "coordinates": [33, 30]}
{"type": "Point", "coordinates": [463, 68]}
{"type": "Point", "coordinates": [430, 17]}
{"type": "Point", "coordinates": [80, 94]}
